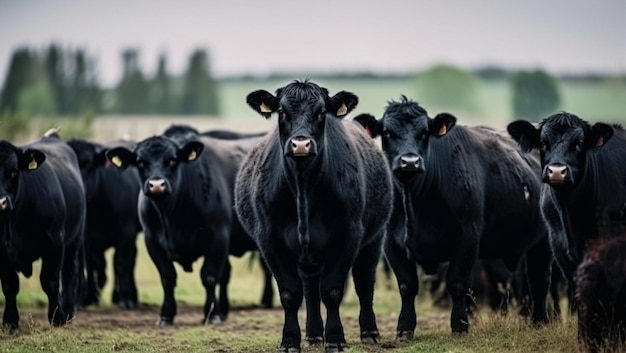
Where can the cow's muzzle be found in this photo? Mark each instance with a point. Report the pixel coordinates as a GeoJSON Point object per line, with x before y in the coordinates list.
{"type": "Point", "coordinates": [556, 174]}
{"type": "Point", "coordinates": [156, 187]}
{"type": "Point", "coordinates": [408, 164]}
{"type": "Point", "coordinates": [5, 204]}
{"type": "Point", "coordinates": [300, 146]}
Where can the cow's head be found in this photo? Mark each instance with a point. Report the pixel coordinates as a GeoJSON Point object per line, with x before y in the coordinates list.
{"type": "Point", "coordinates": [91, 156]}
{"type": "Point", "coordinates": [303, 108]}
{"type": "Point", "coordinates": [563, 140]}
{"type": "Point", "coordinates": [158, 160]}
{"type": "Point", "coordinates": [13, 162]}
{"type": "Point", "coordinates": [406, 131]}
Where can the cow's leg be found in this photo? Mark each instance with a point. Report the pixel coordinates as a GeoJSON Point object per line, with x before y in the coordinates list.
{"type": "Point", "coordinates": [539, 266]}
{"type": "Point", "coordinates": [51, 264]}
{"type": "Point", "coordinates": [10, 287]}
{"type": "Point", "coordinates": [124, 268]}
{"type": "Point", "coordinates": [215, 261]}
{"type": "Point", "coordinates": [459, 276]}
{"type": "Point", "coordinates": [405, 271]}
{"type": "Point", "coordinates": [223, 302]}
{"type": "Point", "coordinates": [284, 267]}
{"type": "Point", "coordinates": [267, 300]}
{"type": "Point", "coordinates": [314, 323]}
{"type": "Point", "coordinates": [167, 272]}
{"type": "Point", "coordinates": [91, 263]}
{"type": "Point", "coordinates": [364, 275]}
{"type": "Point", "coordinates": [70, 272]}
{"type": "Point", "coordinates": [101, 274]}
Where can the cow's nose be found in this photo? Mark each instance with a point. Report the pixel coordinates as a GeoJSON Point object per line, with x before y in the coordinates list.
{"type": "Point", "coordinates": [410, 162]}
{"type": "Point", "coordinates": [300, 146]}
{"type": "Point", "coordinates": [4, 203]}
{"type": "Point", "coordinates": [156, 186]}
{"type": "Point", "coordinates": [557, 173]}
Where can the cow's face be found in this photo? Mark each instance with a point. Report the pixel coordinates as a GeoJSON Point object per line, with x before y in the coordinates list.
{"type": "Point", "coordinates": [13, 161]}
{"type": "Point", "coordinates": [302, 109]}
{"type": "Point", "coordinates": [90, 156]}
{"type": "Point", "coordinates": [406, 131]}
{"type": "Point", "coordinates": [158, 161]}
{"type": "Point", "coordinates": [564, 141]}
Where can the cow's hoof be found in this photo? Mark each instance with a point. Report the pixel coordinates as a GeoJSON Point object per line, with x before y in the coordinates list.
{"type": "Point", "coordinates": [335, 347]}
{"type": "Point", "coordinates": [165, 321]}
{"type": "Point", "coordinates": [313, 341]}
{"type": "Point", "coordinates": [404, 336]}
{"type": "Point", "coordinates": [214, 320]}
{"type": "Point", "coordinates": [370, 337]}
{"type": "Point", "coordinates": [126, 304]}
{"type": "Point", "coordinates": [11, 326]}
{"type": "Point", "coordinates": [289, 350]}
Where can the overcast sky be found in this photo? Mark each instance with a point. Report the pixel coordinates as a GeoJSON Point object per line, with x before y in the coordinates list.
{"type": "Point", "coordinates": [258, 37]}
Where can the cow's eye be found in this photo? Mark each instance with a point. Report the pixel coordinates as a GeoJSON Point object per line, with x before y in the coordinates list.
{"type": "Point", "coordinates": [543, 145]}
{"type": "Point", "coordinates": [282, 114]}
{"type": "Point", "coordinates": [580, 145]}
{"type": "Point", "coordinates": [421, 136]}
{"type": "Point", "coordinates": [141, 164]}
{"type": "Point", "coordinates": [171, 161]}
{"type": "Point", "coordinates": [321, 115]}
{"type": "Point", "coordinates": [386, 134]}
{"type": "Point", "coordinates": [13, 174]}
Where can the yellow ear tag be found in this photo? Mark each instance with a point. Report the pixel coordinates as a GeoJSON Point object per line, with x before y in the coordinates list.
{"type": "Point", "coordinates": [192, 155]}
{"type": "Point", "coordinates": [343, 110]}
{"type": "Point", "coordinates": [117, 161]}
{"type": "Point", "coordinates": [33, 163]}
{"type": "Point", "coordinates": [264, 108]}
{"type": "Point", "coordinates": [443, 130]}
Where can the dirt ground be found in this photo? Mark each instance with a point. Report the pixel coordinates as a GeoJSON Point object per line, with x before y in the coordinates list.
{"type": "Point", "coordinates": [240, 323]}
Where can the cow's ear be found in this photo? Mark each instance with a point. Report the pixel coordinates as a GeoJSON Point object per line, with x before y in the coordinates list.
{"type": "Point", "coordinates": [343, 103]}
{"type": "Point", "coordinates": [190, 151]}
{"type": "Point", "coordinates": [600, 134]}
{"type": "Point", "coordinates": [121, 157]}
{"type": "Point", "coordinates": [372, 126]}
{"type": "Point", "coordinates": [526, 135]}
{"type": "Point", "coordinates": [100, 157]}
{"type": "Point", "coordinates": [441, 124]}
{"type": "Point", "coordinates": [31, 159]}
{"type": "Point", "coordinates": [263, 102]}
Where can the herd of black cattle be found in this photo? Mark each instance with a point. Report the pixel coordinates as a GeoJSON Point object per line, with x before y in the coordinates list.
{"type": "Point", "coordinates": [318, 198]}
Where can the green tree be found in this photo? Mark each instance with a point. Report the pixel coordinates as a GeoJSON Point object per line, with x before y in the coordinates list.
{"type": "Point", "coordinates": [85, 91]}
{"type": "Point", "coordinates": [22, 73]}
{"type": "Point", "coordinates": [448, 87]}
{"type": "Point", "coordinates": [535, 94]}
{"type": "Point", "coordinates": [55, 72]}
{"type": "Point", "coordinates": [200, 89]}
{"type": "Point", "coordinates": [37, 99]}
{"type": "Point", "coordinates": [161, 100]}
{"type": "Point", "coordinates": [132, 92]}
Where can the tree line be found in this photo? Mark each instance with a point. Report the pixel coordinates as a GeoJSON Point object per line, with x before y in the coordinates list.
{"type": "Point", "coordinates": [63, 81]}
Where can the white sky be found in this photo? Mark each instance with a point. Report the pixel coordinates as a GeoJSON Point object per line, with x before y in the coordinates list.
{"type": "Point", "coordinates": [259, 37]}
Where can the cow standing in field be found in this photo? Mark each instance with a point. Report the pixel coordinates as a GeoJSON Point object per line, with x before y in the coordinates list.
{"type": "Point", "coordinates": [315, 195]}
{"type": "Point", "coordinates": [583, 167]}
{"type": "Point", "coordinates": [112, 221]}
{"type": "Point", "coordinates": [186, 210]}
{"type": "Point", "coordinates": [461, 193]}
{"type": "Point", "coordinates": [42, 215]}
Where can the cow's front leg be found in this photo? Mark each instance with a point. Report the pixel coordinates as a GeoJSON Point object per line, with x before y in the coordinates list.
{"type": "Point", "coordinates": [167, 272]}
{"type": "Point", "coordinates": [364, 274]}
{"type": "Point", "coordinates": [215, 262]}
{"type": "Point", "coordinates": [124, 267]}
{"type": "Point", "coordinates": [10, 287]}
{"type": "Point", "coordinates": [459, 277]}
{"type": "Point", "coordinates": [49, 277]}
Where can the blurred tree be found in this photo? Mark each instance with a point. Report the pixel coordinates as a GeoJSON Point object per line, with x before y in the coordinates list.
{"type": "Point", "coordinates": [132, 92]}
{"type": "Point", "coordinates": [200, 89]}
{"type": "Point", "coordinates": [535, 94]}
{"type": "Point", "coordinates": [55, 72]}
{"type": "Point", "coordinates": [161, 99]}
{"type": "Point", "coordinates": [22, 72]}
{"type": "Point", "coordinates": [86, 94]}
{"type": "Point", "coordinates": [37, 99]}
{"type": "Point", "coordinates": [448, 87]}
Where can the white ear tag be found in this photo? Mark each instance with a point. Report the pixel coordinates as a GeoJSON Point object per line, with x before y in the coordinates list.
{"type": "Point", "coordinates": [343, 110]}
{"type": "Point", "coordinates": [192, 155]}
{"type": "Point", "coordinates": [33, 163]}
{"type": "Point", "coordinates": [117, 161]}
{"type": "Point", "coordinates": [264, 108]}
{"type": "Point", "coordinates": [443, 130]}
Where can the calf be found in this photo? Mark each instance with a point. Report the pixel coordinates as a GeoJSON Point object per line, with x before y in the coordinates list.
{"type": "Point", "coordinates": [583, 169]}
{"type": "Point", "coordinates": [315, 195]}
{"type": "Point", "coordinates": [186, 210]}
{"type": "Point", "coordinates": [462, 193]}
{"type": "Point", "coordinates": [42, 215]}
{"type": "Point", "coordinates": [112, 221]}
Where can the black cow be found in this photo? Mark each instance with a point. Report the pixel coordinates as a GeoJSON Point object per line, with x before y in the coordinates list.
{"type": "Point", "coordinates": [186, 210]}
{"type": "Point", "coordinates": [462, 193]}
{"type": "Point", "coordinates": [42, 215]}
{"type": "Point", "coordinates": [315, 195]}
{"type": "Point", "coordinates": [601, 292]}
{"type": "Point", "coordinates": [583, 167]}
{"type": "Point", "coordinates": [240, 244]}
{"type": "Point", "coordinates": [112, 221]}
